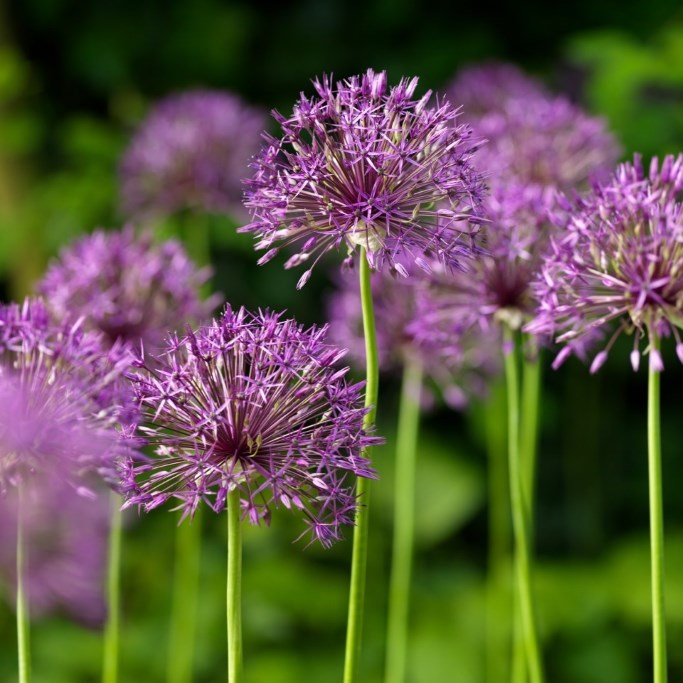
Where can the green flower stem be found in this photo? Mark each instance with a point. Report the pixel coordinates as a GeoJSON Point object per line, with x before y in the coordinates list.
{"type": "Point", "coordinates": [110, 663]}
{"type": "Point", "coordinates": [185, 597]}
{"type": "Point", "coordinates": [656, 521]}
{"type": "Point", "coordinates": [196, 234]}
{"type": "Point", "coordinates": [360, 532]}
{"type": "Point", "coordinates": [498, 606]}
{"type": "Point", "coordinates": [23, 643]}
{"type": "Point", "coordinates": [234, 592]}
{"type": "Point", "coordinates": [520, 523]}
{"type": "Point", "coordinates": [528, 442]}
{"type": "Point", "coordinates": [404, 522]}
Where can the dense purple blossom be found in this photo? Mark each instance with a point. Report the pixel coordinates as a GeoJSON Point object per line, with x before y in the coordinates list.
{"type": "Point", "coordinates": [190, 152]}
{"type": "Point", "coordinates": [360, 165]}
{"type": "Point", "coordinates": [252, 402]}
{"type": "Point", "coordinates": [66, 535]}
{"type": "Point", "coordinates": [127, 286]}
{"type": "Point", "coordinates": [458, 360]}
{"type": "Point", "coordinates": [62, 399]}
{"type": "Point", "coordinates": [618, 262]}
{"type": "Point", "coordinates": [484, 88]}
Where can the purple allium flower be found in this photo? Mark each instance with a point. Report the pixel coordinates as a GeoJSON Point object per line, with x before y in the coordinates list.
{"type": "Point", "coordinates": [190, 152]}
{"type": "Point", "coordinates": [483, 88]}
{"type": "Point", "coordinates": [362, 166]}
{"type": "Point", "coordinates": [618, 261]}
{"type": "Point", "coordinates": [62, 397]}
{"type": "Point", "coordinates": [252, 402]}
{"type": "Point", "coordinates": [127, 286]}
{"type": "Point", "coordinates": [66, 535]}
{"type": "Point", "coordinates": [458, 362]}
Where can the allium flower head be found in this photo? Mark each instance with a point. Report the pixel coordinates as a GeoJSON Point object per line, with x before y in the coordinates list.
{"type": "Point", "coordinates": [364, 165]}
{"type": "Point", "coordinates": [254, 403]}
{"type": "Point", "coordinates": [61, 399]}
{"type": "Point", "coordinates": [127, 286]}
{"type": "Point", "coordinates": [190, 152]}
{"type": "Point", "coordinates": [483, 88]}
{"type": "Point", "coordinates": [618, 261]}
{"type": "Point", "coordinates": [458, 361]}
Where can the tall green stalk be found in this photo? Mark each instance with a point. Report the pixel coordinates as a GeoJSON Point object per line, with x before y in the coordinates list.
{"type": "Point", "coordinates": [498, 605]}
{"type": "Point", "coordinates": [520, 517]}
{"type": "Point", "coordinates": [185, 597]}
{"type": "Point", "coordinates": [404, 523]}
{"type": "Point", "coordinates": [360, 532]}
{"type": "Point", "coordinates": [23, 641]}
{"type": "Point", "coordinates": [654, 449]}
{"type": "Point", "coordinates": [234, 588]}
{"type": "Point", "coordinates": [110, 665]}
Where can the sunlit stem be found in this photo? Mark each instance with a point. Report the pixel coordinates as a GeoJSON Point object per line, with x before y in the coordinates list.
{"type": "Point", "coordinates": [360, 532]}
{"type": "Point", "coordinates": [234, 588]}
{"type": "Point", "coordinates": [656, 519]}
{"type": "Point", "coordinates": [23, 644]}
{"type": "Point", "coordinates": [111, 630]}
{"type": "Point", "coordinates": [404, 523]}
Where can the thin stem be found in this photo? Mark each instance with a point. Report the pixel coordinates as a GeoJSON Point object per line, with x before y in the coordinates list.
{"type": "Point", "coordinates": [23, 642]}
{"type": "Point", "coordinates": [184, 608]}
{"type": "Point", "coordinates": [234, 588]}
{"type": "Point", "coordinates": [110, 663]}
{"type": "Point", "coordinates": [528, 442]}
{"type": "Point", "coordinates": [656, 520]}
{"type": "Point", "coordinates": [498, 606]}
{"type": "Point", "coordinates": [520, 524]}
{"type": "Point", "coordinates": [360, 532]}
{"type": "Point", "coordinates": [404, 522]}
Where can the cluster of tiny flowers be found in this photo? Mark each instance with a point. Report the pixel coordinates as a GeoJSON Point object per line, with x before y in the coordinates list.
{"type": "Point", "coordinates": [62, 399]}
{"type": "Point", "coordinates": [67, 539]}
{"type": "Point", "coordinates": [619, 259]}
{"type": "Point", "coordinates": [190, 152]}
{"type": "Point", "coordinates": [127, 286]}
{"type": "Point", "coordinates": [362, 166]}
{"type": "Point", "coordinates": [457, 362]}
{"type": "Point", "coordinates": [253, 403]}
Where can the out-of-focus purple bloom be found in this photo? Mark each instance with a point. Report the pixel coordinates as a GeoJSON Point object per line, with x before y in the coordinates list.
{"type": "Point", "coordinates": [127, 286]}
{"type": "Point", "coordinates": [62, 397]}
{"type": "Point", "coordinates": [252, 402]}
{"type": "Point", "coordinates": [618, 261]}
{"type": "Point", "coordinates": [484, 88]}
{"type": "Point", "coordinates": [359, 165]}
{"type": "Point", "coordinates": [190, 152]}
{"type": "Point", "coordinates": [458, 360]}
{"type": "Point", "coordinates": [66, 535]}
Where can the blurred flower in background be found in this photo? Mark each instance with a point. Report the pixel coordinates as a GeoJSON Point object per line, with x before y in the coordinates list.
{"type": "Point", "coordinates": [190, 152]}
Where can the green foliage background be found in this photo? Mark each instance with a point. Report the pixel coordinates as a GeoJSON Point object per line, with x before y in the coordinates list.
{"type": "Point", "coordinates": [75, 79]}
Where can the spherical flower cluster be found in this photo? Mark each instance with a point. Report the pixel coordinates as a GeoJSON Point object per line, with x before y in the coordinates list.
{"type": "Point", "coordinates": [253, 403]}
{"type": "Point", "coordinates": [127, 286]}
{"type": "Point", "coordinates": [362, 166]}
{"type": "Point", "coordinates": [619, 260]}
{"type": "Point", "coordinates": [457, 361]}
{"type": "Point", "coordinates": [66, 535]}
{"type": "Point", "coordinates": [190, 152]}
{"type": "Point", "coordinates": [483, 88]}
{"type": "Point", "coordinates": [62, 397]}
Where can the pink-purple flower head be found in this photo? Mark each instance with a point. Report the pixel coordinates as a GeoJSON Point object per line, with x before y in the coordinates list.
{"type": "Point", "coordinates": [62, 400]}
{"type": "Point", "coordinates": [190, 152]}
{"type": "Point", "coordinates": [364, 165]}
{"type": "Point", "coordinates": [483, 88]}
{"type": "Point", "coordinates": [127, 286]}
{"type": "Point", "coordinates": [618, 264]}
{"type": "Point", "coordinates": [457, 363]}
{"type": "Point", "coordinates": [253, 403]}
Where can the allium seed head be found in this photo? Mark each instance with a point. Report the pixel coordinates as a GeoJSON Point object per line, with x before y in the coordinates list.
{"type": "Point", "coordinates": [127, 286]}
{"type": "Point", "coordinates": [618, 261]}
{"type": "Point", "coordinates": [254, 403]}
{"type": "Point", "coordinates": [364, 165]}
{"type": "Point", "coordinates": [190, 152]}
